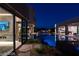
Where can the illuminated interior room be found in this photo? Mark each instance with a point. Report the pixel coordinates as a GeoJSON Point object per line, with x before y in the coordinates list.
{"type": "Point", "coordinates": [6, 32]}
{"type": "Point", "coordinates": [12, 25]}
{"type": "Point", "coordinates": [18, 31]}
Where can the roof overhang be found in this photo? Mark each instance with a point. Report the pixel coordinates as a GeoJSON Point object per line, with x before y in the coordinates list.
{"type": "Point", "coordinates": [18, 9]}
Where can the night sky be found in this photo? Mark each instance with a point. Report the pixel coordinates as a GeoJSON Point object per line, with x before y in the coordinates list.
{"type": "Point", "coordinates": [49, 14]}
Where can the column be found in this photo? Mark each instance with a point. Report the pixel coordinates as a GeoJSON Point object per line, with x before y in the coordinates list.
{"type": "Point", "coordinates": [66, 32]}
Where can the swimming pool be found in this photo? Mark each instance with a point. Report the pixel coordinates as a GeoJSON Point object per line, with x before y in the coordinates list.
{"type": "Point", "coordinates": [49, 40]}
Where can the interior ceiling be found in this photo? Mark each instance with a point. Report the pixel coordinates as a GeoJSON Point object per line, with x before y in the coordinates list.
{"type": "Point", "coordinates": [3, 11]}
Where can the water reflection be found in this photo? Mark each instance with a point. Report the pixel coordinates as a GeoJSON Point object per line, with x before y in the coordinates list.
{"type": "Point", "coordinates": [47, 38]}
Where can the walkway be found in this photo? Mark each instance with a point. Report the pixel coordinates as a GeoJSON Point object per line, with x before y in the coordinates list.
{"type": "Point", "coordinates": [27, 49]}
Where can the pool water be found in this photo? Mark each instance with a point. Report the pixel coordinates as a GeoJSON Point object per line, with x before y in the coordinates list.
{"type": "Point", "coordinates": [49, 40]}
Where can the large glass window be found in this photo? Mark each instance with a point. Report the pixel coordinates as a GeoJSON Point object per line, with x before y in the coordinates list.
{"type": "Point", "coordinates": [72, 31]}
{"type": "Point", "coordinates": [61, 32]}
{"type": "Point", "coordinates": [18, 31]}
{"type": "Point", "coordinates": [78, 30]}
{"type": "Point", "coordinates": [24, 31]}
{"type": "Point", "coordinates": [6, 32]}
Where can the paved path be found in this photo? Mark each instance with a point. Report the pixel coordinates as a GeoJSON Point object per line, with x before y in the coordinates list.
{"type": "Point", "coordinates": [26, 49]}
{"type": "Point", "coordinates": [29, 50]}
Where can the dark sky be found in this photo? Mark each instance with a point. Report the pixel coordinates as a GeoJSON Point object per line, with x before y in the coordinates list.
{"type": "Point", "coordinates": [49, 14]}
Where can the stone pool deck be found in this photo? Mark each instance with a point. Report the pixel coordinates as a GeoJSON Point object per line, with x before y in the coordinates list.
{"type": "Point", "coordinates": [27, 49]}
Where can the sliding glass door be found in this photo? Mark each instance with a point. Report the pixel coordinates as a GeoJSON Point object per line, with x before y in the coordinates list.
{"type": "Point", "coordinates": [17, 32]}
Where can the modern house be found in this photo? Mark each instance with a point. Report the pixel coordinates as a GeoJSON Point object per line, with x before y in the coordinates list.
{"type": "Point", "coordinates": [68, 27]}
{"type": "Point", "coordinates": [68, 37]}
{"type": "Point", "coordinates": [13, 26]}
